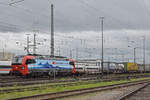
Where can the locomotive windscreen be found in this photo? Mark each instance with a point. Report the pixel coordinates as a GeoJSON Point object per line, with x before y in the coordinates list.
{"type": "Point", "coordinates": [17, 60]}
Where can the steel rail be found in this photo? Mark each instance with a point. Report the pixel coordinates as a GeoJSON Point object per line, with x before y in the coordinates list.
{"type": "Point", "coordinates": [80, 91]}
{"type": "Point", "coordinates": [9, 79]}
{"type": "Point", "coordinates": [58, 81]}
{"type": "Point", "coordinates": [33, 82]}
{"type": "Point", "coordinates": [39, 81]}
{"type": "Point", "coordinates": [124, 97]}
{"type": "Point", "coordinates": [55, 85]}
{"type": "Point", "coordinates": [73, 82]}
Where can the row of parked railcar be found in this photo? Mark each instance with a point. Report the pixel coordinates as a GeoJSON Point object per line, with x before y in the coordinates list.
{"type": "Point", "coordinates": [93, 66]}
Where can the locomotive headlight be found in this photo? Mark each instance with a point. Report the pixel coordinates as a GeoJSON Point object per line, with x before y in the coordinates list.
{"type": "Point", "coordinates": [22, 67]}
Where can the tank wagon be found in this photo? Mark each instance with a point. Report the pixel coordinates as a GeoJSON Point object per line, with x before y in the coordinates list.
{"type": "Point", "coordinates": [111, 67]}
{"type": "Point", "coordinates": [32, 65]}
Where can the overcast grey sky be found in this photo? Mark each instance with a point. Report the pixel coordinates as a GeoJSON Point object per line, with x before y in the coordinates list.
{"type": "Point", "coordinates": [77, 25]}
{"type": "Point", "coordinates": [74, 15]}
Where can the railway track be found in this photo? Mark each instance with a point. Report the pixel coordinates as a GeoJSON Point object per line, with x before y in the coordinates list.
{"type": "Point", "coordinates": [80, 91]}
{"type": "Point", "coordinates": [8, 79]}
{"type": "Point", "coordinates": [45, 81]}
{"type": "Point", "coordinates": [21, 81]}
{"type": "Point", "coordinates": [69, 83]}
{"type": "Point", "coordinates": [142, 93]}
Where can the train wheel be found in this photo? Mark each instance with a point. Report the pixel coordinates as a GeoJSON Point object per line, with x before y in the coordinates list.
{"type": "Point", "coordinates": [50, 73]}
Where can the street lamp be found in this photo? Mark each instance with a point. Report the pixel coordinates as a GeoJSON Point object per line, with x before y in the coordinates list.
{"type": "Point", "coordinates": [144, 52]}
{"type": "Point", "coordinates": [134, 53]}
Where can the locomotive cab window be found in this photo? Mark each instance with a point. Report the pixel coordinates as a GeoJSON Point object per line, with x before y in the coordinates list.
{"type": "Point", "coordinates": [17, 60]}
{"type": "Point", "coordinates": [71, 63]}
{"type": "Point", "coordinates": [30, 61]}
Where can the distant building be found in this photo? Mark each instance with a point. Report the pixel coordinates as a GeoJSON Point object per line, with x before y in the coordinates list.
{"type": "Point", "coordinates": [6, 56]}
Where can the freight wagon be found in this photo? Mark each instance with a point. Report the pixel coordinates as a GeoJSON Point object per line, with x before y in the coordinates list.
{"type": "Point", "coordinates": [111, 67]}
{"type": "Point", "coordinates": [143, 68]}
{"type": "Point", "coordinates": [128, 67]}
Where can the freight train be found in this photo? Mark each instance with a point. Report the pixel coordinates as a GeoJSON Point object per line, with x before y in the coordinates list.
{"type": "Point", "coordinates": [34, 65]}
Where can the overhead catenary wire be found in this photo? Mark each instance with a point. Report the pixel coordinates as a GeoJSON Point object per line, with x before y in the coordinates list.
{"type": "Point", "coordinates": [15, 1]}
{"type": "Point", "coordinates": [67, 17]}
{"type": "Point", "coordinates": [28, 11]}
{"type": "Point", "coordinates": [101, 12]}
